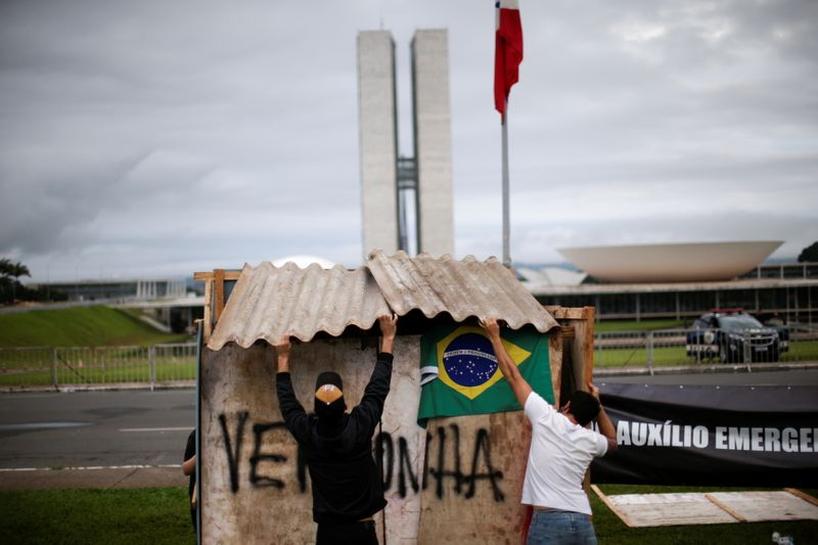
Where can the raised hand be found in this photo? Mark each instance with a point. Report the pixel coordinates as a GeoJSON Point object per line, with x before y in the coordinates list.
{"type": "Point", "coordinates": [282, 347]}
{"type": "Point", "coordinates": [388, 325]}
{"type": "Point", "coordinates": [491, 326]}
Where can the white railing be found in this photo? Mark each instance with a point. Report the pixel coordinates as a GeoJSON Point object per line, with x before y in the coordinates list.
{"type": "Point", "coordinates": [680, 347]}
{"type": "Point", "coordinates": [67, 366]}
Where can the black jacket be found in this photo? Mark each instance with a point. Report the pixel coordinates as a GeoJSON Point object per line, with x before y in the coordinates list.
{"type": "Point", "coordinates": [346, 484]}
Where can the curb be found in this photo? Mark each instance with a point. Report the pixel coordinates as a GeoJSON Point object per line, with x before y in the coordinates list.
{"type": "Point", "coordinates": [695, 370]}
{"type": "Point", "coordinates": [177, 385]}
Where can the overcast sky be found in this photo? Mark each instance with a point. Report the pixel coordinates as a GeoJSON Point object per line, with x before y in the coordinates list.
{"type": "Point", "coordinates": [158, 138]}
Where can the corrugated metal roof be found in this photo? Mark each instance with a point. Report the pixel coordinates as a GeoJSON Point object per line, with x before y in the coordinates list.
{"type": "Point", "coordinates": [461, 288]}
{"type": "Point", "coordinates": [269, 302]}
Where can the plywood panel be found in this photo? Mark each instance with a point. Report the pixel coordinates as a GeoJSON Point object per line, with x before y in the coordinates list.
{"type": "Point", "coordinates": [253, 490]}
{"type": "Point", "coordinates": [474, 476]}
{"type": "Point", "coordinates": [766, 505]}
{"type": "Point", "coordinates": [642, 510]}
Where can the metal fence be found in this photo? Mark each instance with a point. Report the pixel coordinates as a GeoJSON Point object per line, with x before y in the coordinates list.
{"type": "Point", "coordinates": [75, 366]}
{"type": "Point", "coordinates": [695, 347]}
{"type": "Point", "coordinates": [163, 364]}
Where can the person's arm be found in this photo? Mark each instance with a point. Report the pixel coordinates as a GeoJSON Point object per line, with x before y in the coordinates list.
{"type": "Point", "coordinates": [370, 408]}
{"type": "Point", "coordinates": [189, 461]}
{"type": "Point", "coordinates": [606, 427]}
{"type": "Point", "coordinates": [510, 371]}
{"type": "Point", "coordinates": [295, 418]}
{"type": "Point", "coordinates": [189, 466]}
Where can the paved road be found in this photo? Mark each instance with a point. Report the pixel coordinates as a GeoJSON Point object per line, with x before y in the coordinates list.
{"type": "Point", "coordinates": [111, 428]}
{"type": "Point", "coordinates": [786, 378]}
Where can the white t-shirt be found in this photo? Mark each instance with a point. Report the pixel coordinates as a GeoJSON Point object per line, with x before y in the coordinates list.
{"type": "Point", "coordinates": [559, 456]}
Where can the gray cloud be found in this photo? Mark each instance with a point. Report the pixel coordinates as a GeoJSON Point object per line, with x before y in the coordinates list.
{"type": "Point", "coordinates": [156, 138]}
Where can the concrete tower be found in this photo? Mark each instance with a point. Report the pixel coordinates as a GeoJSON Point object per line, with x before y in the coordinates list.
{"type": "Point", "coordinates": [388, 180]}
{"type": "Point", "coordinates": [377, 122]}
{"type": "Point", "coordinates": [433, 141]}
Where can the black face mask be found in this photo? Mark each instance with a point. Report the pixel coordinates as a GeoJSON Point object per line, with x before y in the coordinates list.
{"type": "Point", "coordinates": [330, 413]}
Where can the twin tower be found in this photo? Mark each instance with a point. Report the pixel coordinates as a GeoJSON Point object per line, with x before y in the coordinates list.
{"type": "Point", "coordinates": [398, 191]}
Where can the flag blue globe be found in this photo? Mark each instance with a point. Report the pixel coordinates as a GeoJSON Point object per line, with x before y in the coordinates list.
{"type": "Point", "coordinates": [469, 360]}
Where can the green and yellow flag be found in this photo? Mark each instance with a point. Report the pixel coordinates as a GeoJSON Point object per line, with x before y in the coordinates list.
{"type": "Point", "coordinates": [459, 372]}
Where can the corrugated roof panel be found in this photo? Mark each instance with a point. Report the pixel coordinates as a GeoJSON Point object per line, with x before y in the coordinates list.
{"type": "Point", "coordinates": [270, 302]}
{"type": "Point", "coordinates": [461, 288]}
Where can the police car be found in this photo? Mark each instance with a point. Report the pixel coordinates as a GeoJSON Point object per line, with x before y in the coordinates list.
{"type": "Point", "coordinates": [732, 336]}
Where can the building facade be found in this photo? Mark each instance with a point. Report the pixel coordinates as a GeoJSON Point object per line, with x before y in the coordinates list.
{"type": "Point", "coordinates": [787, 291]}
{"type": "Point", "coordinates": [394, 187]}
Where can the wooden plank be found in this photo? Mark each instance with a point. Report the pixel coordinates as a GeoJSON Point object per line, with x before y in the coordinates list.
{"type": "Point", "coordinates": [206, 276]}
{"type": "Point", "coordinates": [588, 343]}
{"type": "Point", "coordinates": [803, 495]}
{"type": "Point", "coordinates": [612, 506]}
{"type": "Point", "coordinates": [218, 300]}
{"type": "Point", "coordinates": [567, 313]}
{"type": "Point", "coordinates": [726, 508]}
{"type": "Point", "coordinates": [208, 311]}
{"type": "Point", "coordinates": [555, 352]}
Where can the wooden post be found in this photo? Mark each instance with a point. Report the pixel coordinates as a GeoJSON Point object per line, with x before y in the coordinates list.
{"type": "Point", "coordinates": [555, 354]}
{"type": "Point", "coordinates": [208, 310]}
{"type": "Point", "coordinates": [218, 304]}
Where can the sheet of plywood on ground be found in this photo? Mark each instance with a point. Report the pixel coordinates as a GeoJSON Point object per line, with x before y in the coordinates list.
{"type": "Point", "coordinates": [265, 503]}
{"type": "Point", "coordinates": [473, 480]}
{"type": "Point", "coordinates": [802, 495]}
{"type": "Point", "coordinates": [766, 505]}
{"type": "Point", "coordinates": [611, 505]}
{"type": "Point", "coordinates": [645, 510]}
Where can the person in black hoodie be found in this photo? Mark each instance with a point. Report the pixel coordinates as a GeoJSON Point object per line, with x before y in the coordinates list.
{"type": "Point", "coordinates": [347, 489]}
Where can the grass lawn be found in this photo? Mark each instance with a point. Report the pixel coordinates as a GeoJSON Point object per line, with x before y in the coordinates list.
{"type": "Point", "coordinates": [135, 372]}
{"type": "Point", "coordinates": [79, 326]}
{"type": "Point", "coordinates": [610, 326]}
{"type": "Point", "coordinates": [676, 355]}
{"type": "Point", "coordinates": [158, 516]}
{"type": "Point", "coordinates": [155, 516]}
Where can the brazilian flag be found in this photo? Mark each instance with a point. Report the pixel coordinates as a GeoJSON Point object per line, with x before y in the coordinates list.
{"type": "Point", "coordinates": [460, 375]}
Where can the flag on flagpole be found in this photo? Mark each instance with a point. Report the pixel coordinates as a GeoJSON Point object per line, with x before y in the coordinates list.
{"type": "Point", "coordinates": [508, 51]}
{"type": "Point", "coordinates": [460, 375]}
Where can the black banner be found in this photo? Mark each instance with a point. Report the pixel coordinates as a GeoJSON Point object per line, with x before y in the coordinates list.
{"type": "Point", "coordinates": [711, 435]}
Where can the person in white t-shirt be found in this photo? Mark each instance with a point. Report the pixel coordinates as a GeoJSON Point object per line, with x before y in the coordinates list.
{"type": "Point", "coordinates": [561, 450]}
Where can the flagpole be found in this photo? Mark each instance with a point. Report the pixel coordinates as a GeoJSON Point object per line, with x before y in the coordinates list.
{"type": "Point", "coordinates": [506, 229]}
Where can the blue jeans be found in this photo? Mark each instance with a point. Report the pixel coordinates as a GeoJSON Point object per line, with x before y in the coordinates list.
{"type": "Point", "coordinates": [561, 528]}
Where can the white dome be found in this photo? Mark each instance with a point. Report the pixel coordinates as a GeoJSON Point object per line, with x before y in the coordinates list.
{"type": "Point", "coordinates": [304, 261]}
{"type": "Point", "coordinates": [670, 262]}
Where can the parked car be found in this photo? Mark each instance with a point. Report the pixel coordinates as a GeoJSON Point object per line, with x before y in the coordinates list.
{"type": "Point", "coordinates": [731, 335]}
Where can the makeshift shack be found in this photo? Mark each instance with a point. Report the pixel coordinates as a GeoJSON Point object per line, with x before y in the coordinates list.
{"type": "Point", "coordinates": [457, 481]}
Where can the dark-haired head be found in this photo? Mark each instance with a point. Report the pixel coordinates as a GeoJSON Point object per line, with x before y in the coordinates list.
{"type": "Point", "coordinates": [584, 407]}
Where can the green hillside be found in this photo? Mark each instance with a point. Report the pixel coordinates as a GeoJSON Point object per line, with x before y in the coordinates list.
{"type": "Point", "coordinates": [78, 326]}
